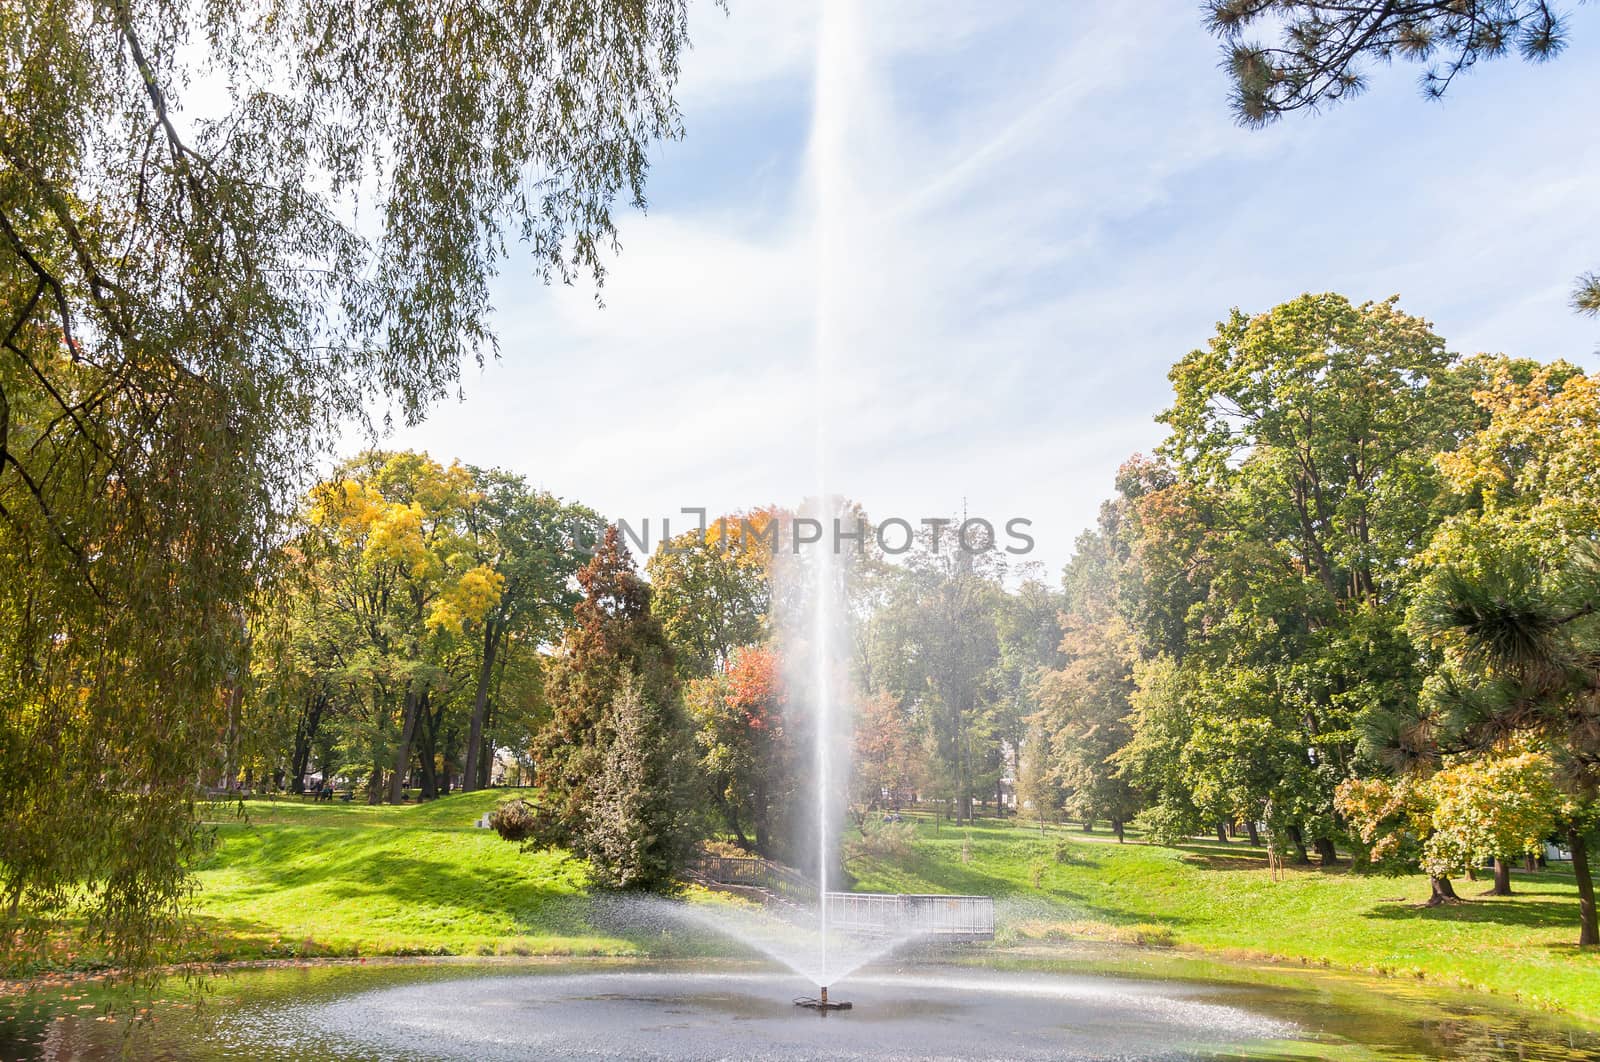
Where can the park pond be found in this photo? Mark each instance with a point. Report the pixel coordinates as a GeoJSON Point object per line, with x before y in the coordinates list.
{"type": "Point", "coordinates": [1111, 1003]}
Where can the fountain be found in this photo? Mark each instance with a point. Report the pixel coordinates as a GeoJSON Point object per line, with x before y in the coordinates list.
{"type": "Point", "coordinates": [821, 952]}
{"type": "Point", "coordinates": [827, 159]}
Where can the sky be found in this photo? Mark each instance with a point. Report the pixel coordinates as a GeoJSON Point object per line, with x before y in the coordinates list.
{"type": "Point", "coordinates": [1035, 210]}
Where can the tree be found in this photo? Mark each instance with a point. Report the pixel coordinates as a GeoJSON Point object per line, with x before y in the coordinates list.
{"type": "Point", "coordinates": [712, 590]}
{"type": "Point", "coordinates": [1492, 807]}
{"type": "Point", "coordinates": [535, 543]}
{"type": "Point", "coordinates": [192, 300]}
{"type": "Point", "coordinates": [1325, 46]}
{"type": "Point", "coordinates": [1394, 819]}
{"type": "Point", "coordinates": [614, 658]}
{"type": "Point", "coordinates": [1511, 598]}
{"type": "Point", "coordinates": [1483, 807]}
{"type": "Point", "coordinates": [1036, 784]}
{"type": "Point", "coordinates": [1086, 711]}
{"type": "Point", "coordinates": [1305, 440]}
{"type": "Point", "coordinates": [936, 647]}
{"type": "Point", "coordinates": [1522, 648]}
{"type": "Point", "coordinates": [398, 588]}
{"type": "Point", "coordinates": [1154, 757]}
{"type": "Point", "coordinates": [747, 750]}
{"type": "Point", "coordinates": [1028, 637]}
{"type": "Point", "coordinates": [887, 759]}
{"type": "Point", "coordinates": [638, 834]}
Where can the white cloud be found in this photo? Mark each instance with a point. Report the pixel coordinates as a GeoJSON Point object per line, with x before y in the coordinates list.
{"type": "Point", "coordinates": [1047, 207]}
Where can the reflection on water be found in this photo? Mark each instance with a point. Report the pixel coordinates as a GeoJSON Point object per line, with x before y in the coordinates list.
{"type": "Point", "coordinates": [1007, 1009]}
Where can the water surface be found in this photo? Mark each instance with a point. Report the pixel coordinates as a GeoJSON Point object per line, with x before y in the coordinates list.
{"type": "Point", "coordinates": [1009, 1009]}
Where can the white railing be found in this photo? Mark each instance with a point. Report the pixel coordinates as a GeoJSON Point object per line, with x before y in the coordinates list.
{"type": "Point", "coordinates": [897, 914]}
{"type": "Point", "coordinates": [871, 914]}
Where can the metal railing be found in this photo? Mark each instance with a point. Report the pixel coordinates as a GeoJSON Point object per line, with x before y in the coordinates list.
{"type": "Point", "coordinates": [758, 873]}
{"type": "Point", "coordinates": [897, 914]}
{"type": "Point", "coordinates": [874, 914]}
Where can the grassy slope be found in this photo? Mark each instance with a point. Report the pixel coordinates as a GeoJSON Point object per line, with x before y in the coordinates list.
{"type": "Point", "coordinates": [334, 879]}
{"type": "Point", "coordinates": [301, 879]}
{"type": "Point", "coordinates": [1223, 899]}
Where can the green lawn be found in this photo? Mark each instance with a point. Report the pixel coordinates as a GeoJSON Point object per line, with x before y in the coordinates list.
{"type": "Point", "coordinates": [333, 879]}
{"type": "Point", "coordinates": [1222, 900]}
{"type": "Point", "coordinates": [304, 879]}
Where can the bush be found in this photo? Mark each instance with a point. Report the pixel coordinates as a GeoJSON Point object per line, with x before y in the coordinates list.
{"type": "Point", "coordinates": [517, 820]}
{"type": "Point", "coordinates": [1166, 826]}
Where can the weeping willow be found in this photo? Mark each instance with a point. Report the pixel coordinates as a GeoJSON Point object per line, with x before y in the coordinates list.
{"type": "Point", "coordinates": [225, 231]}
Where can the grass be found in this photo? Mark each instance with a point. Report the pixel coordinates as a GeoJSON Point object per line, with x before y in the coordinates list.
{"type": "Point", "coordinates": [1222, 900]}
{"type": "Point", "coordinates": [297, 879]}
{"type": "Point", "coordinates": [307, 880]}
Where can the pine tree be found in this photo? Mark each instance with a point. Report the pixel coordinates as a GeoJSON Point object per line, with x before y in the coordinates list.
{"type": "Point", "coordinates": [1324, 48]}
{"type": "Point", "coordinates": [615, 654]}
{"type": "Point", "coordinates": [637, 831]}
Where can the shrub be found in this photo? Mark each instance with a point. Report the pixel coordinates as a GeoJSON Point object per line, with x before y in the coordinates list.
{"type": "Point", "coordinates": [518, 821]}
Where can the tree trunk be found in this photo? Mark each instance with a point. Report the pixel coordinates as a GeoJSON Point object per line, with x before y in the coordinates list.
{"type": "Point", "coordinates": [486, 751]}
{"type": "Point", "coordinates": [429, 721]}
{"type": "Point", "coordinates": [375, 782]}
{"type": "Point", "coordinates": [305, 733]}
{"type": "Point", "coordinates": [1326, 852]}
{"type": "Point", "coordinates": [1299, 840]}
{"type": "Point", "coordinates": [1255, 834]}
{"type": "Point", "coordinates": [1530, 863]}
{"type": "Point", "coordinates": [1088, 824]}
{"type": "Point", "coordinates": [1589, 933]}
{"type": "Point", "coordinates": [480, 706]}
{"type": "Point", "coordinates": [448, 760]}
{"type": "Point", "coordinates": [402, 754]}
{"type": "Point", "coordinates": [230, 740]}
{"type": "Point", "coordinates": [1502, 878]}
{"type": "Point", "coordinates": [1222, 832]}
{"type": "Point", "coordinates": [1116, 828]}
{"type": "Point", "coordinates": [963, 800]}
{"type": "Point", "coordinates": [1442, 892]}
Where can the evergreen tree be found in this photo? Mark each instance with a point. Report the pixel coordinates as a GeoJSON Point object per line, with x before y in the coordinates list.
{"type": "Point", "coordinates": [614, 654]}
{"type": "Point", "coordinates": [638, 831]}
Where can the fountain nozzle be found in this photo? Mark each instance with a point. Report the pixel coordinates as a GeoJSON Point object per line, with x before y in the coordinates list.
{"type": "Point", "coordinates": [820, 1003]}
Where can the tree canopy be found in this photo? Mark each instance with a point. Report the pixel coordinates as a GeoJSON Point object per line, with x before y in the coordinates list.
{"type": "Point", "coordinates": [224, 230]}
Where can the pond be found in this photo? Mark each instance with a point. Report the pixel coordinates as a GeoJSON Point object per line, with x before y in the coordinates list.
{"type": "Point", "coordinates": [1123, 1004]}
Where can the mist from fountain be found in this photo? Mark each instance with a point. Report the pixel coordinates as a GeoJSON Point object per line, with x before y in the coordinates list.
{"type": "Point", "coordinates": [835, 40]}
{"type": "Point", "coordinates": [783, 934]}
{"type": "Point", "coordinates": [801, 940]}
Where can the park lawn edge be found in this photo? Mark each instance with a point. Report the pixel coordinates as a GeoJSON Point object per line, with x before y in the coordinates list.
{"type": "Point", "coordinates": [286, 884]}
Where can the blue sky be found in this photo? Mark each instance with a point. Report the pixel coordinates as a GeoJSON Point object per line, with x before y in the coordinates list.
{"type": "Point", "coordinates": [1047, 206]}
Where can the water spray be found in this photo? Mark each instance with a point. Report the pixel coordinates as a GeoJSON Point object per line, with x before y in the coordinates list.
{"type": "Point", "coordinates": [827, 160]}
